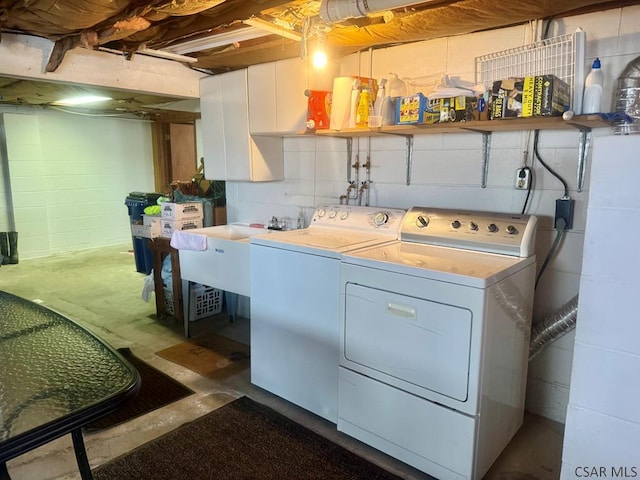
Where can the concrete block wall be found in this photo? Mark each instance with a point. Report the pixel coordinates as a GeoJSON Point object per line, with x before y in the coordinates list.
{"type": "Point", "coordinates": [70, 175]}
{"type": "Point", "coordinates": [447, 168]}
{"type": "Point", "coordinates": [603, 419]}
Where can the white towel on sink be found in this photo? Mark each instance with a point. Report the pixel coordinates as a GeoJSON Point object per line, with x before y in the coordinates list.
{"type": "Point", "coordinates": [186, 240]}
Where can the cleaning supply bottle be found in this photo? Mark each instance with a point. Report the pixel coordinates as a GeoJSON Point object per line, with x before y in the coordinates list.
{"type": "Point", "coordinates": [353, 105]}
{"type": "Point", "coordinates": [382, 89]}
{"type": "Point", "coordinates": [364, 107]}
{"type": "Point", "coordinates": [395, 88]}
{"type": "Point", "coordinates": [593, 89]}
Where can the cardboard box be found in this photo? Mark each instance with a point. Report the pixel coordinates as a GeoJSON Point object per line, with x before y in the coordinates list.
{"type": "Point", "coordinates": [167, 227]}
{"type": "Point", "coordinates": [506, 98]}
{"type": "Point", "coordinates": [149, 228]}
{"type": "Point", "coordinates": [146, 231]}
{"type": "Point", "coordinates": [532, 96]}
{"type": "Point", "coordinates": [457, 109]}
{"type": "Point", "coordinates": [415, 109]}
{"type": "Point", "coordinates": [150, 219]}
{"type": "Point", "coordinates": [179, 211]}
{"type": "Point", "coordinates": [545, 95]}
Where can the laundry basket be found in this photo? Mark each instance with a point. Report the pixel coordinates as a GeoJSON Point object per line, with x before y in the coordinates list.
{"type": "Point", "coordinates": [204, 301]}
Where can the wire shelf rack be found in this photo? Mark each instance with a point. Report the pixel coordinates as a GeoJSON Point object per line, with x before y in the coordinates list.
{"type": "Point", "coordinates": [562, 56]}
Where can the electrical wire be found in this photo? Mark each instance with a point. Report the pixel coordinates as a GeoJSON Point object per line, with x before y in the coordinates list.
{"type": "Point", "coordinates": [529, 188]}
{"type": "Point", "coordinates": [560, 229]}
{"type": "Point", "coordinates": [547, 167]}
{"type": "Point", "coordinates": [552, 251]}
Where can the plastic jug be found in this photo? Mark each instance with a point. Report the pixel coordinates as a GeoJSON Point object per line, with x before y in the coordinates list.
{"type": "Point", "coordinates": [593, 89]}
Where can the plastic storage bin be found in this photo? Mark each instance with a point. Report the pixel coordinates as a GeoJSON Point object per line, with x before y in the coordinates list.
{"type": "Point", "coordinates": [136, 202]}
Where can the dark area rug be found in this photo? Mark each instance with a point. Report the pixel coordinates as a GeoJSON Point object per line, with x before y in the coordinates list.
{"type": "Point", "coordinates": [241, 440]}
{"type": "Point", "coordinates": [157, 389]}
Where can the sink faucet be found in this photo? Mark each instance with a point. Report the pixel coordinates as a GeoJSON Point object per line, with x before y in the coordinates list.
{"type": "Point", "coordinates": [361, 190]}
{"type": "Point", "coordinates": [347, 197]}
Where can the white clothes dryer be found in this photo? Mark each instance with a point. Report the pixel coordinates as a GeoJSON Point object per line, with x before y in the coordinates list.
{"type": "Point", "coordinates": [434, 332]}
{"type": "Point", "coordinates": [295, 280]}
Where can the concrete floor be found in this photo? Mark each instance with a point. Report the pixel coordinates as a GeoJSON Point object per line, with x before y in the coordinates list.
{"type": "Point", "coordinates": [101, 290]}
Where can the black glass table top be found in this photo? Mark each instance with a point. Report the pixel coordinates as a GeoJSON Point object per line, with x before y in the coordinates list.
{"type": "Point", "coordinates": [55, 376]}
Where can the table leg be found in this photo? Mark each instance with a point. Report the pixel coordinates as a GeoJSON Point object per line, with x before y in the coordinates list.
{"type": "Point", "coordinates": [81, 455]}
{"type": "Point", "coordinates": [4, 473]}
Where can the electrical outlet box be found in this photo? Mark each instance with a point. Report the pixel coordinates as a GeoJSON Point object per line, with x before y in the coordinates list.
{"type": "Point", "coordinates": [523, 178]}
{"type": "Point", "coordinates": [564, 213]}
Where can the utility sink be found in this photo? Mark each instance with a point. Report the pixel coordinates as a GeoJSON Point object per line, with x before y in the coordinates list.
{"type": "Point", "coordinates": [224, 264]}
{"type": "Point", "coordinates": [231, 232]}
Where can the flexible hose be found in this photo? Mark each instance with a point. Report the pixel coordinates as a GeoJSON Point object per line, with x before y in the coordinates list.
{"type": "Point", "coordinates": [553, 327]}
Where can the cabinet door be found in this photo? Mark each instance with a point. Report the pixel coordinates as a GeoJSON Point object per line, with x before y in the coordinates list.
{"type": "Point", "coordinates": [225, 123]}
{"type": "Point", "coordinates": [230, 153]}
{"type": "Point", "coordinates": [291, 107]}
{"type": "Point", "coordinates": [235, 112]}
{"type": "Point", "coordinates": [262, 98]}
{"type": "Point", "coordinates": [212, 122]}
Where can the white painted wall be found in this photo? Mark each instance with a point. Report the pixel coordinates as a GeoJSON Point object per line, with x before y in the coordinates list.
{"type": "Point", "coordinates": [70, 175]}
{"type": "Point", "coordinates": [447, 168]}
{"type": "Point", "coordinates": [603, 419]}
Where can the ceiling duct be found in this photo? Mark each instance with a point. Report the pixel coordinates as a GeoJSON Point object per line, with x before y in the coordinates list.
{"type": "Point", "coordinates": [337, 10]}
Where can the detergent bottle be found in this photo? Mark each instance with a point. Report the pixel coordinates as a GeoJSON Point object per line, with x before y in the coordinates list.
{"type": "Point", "coordinates": [395, 88]}
{"type": "Point", "coordinates": [593, 89]}
{"type": "Point", "coordinates": [364, 107]}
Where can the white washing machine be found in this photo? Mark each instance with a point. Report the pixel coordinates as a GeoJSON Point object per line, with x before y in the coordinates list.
{"type": "Point", "coordinates": [295, 292]}
{"type": "Point", "coordinates": [434, 336]}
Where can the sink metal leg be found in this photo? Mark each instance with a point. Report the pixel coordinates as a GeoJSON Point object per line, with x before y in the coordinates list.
{"type": "Point", "coordinates": [186, 306]}
{"type": "Point", "coordinates": [231, 299]}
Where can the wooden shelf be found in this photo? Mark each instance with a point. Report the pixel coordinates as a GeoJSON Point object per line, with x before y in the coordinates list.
{"type": "Point", "coordinates": [580, 123]}
{"type": "Point", "coordinates": [506, 125]}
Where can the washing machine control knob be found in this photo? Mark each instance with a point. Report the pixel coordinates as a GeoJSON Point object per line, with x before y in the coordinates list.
{"type": "Point", "coordinates": [380, 218]}
{"type": "Point", "coordinates": [321, 213]}
{"type": "Point", "coordinates": [421, 221]}
{"type": "Point", "coordinates": [332, 214]}
{"type": "Point", "coordinates": [511, 230]}
{"type": "Point", "coordinates": [473, 226]}
{"type": "Point", "coordinates": [492, 227]}
{"type": "Point", "coordinates": [455, 224]}
{"type": "Point", "coordinates": [344, 215]}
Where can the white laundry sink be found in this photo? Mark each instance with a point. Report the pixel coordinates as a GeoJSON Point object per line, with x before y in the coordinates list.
{"type": "Point", "coordinates": [224, 264]}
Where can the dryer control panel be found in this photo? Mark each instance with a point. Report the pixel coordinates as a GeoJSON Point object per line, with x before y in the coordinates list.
{"type": "Point", "coordinates": [501, 233]}
{"type": "Point", "coordinates": [358, 217]}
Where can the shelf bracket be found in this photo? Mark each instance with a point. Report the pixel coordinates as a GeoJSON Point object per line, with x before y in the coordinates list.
{"type": "Point", "coordinates": [583, 152]}
{"type": "Point", "coordinates": [409, 140]}
{"type": "Point", "coordinates": [486, 148]}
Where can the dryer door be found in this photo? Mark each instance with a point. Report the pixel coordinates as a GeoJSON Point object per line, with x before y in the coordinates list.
{"type": "Point", "coordinates": [410, 342]}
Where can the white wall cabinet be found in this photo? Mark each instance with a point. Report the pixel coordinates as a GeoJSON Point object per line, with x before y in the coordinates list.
{"type": "Point", "coordinates": [230, 152]}
{"type": "Point", "coordinates": [277, 103]}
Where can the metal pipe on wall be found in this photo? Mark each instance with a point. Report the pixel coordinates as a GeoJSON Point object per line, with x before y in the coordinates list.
{"type": "Point", "coordinates": [338, 10]}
